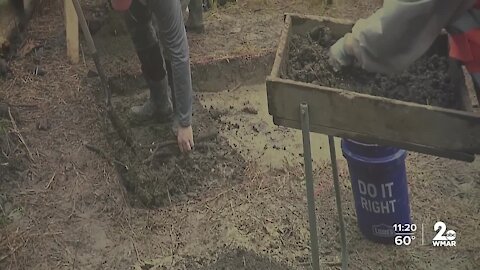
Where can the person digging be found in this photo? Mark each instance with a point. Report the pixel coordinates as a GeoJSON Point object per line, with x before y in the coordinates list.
{"type": "Point", "coordinates": [402, 31]}
{"type": "Point", "coordinates": [167, 14]}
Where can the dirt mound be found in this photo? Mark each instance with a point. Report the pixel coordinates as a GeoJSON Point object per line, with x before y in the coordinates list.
{"type": "Point", "coordinates": [154, 172]}
{"type": "Point", "coordinates": [425, 82]}
{"type": "Point", "coordinates": [244, 260]}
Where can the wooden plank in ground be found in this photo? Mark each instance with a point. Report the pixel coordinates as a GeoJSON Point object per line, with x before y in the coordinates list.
{"type": "Point", "coordinates": [7, 22]}
{"type": "Point", "coordinates": [368, 139]}
{"type": "Point", "coordinates": [71, 27]}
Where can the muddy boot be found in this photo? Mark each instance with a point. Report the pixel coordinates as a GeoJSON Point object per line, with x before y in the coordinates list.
{"type": "Point", "coordinates": [158, 107]}
{"type": "Point", "coordinates": [195, 17]}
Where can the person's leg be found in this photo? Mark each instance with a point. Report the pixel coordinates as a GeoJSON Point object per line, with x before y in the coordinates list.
{"type": "Point", "coordinates": [184, 5]}
{"type": "Point", "coordinates": [195, 17]}
{"type": "Point", "coordinates": [168, 63]}
{"type": "Point", "coordinates": [476, 82]}
{"type": "Point", "coordinates": [139, 24]}
{"type": "Point", "coordinates": [174, 39]}
{"type": "Point", "coordinates": [168, 66]}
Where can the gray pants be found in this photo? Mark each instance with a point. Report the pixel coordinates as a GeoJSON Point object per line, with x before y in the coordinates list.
{"type": "Point", "coordinates": [151, 26]}
{"type": "Point", "coordinates": [140, 23]}
{"type": "Point", "coordinates": [195, 12]}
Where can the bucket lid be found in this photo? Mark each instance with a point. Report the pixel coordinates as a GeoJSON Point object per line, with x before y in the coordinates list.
{"type": "Point", "coordinates": [368, 150]}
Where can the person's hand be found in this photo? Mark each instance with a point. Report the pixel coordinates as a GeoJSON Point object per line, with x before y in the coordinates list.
{"type": "Point", "coordinates": [185, 139]}
{"type": "Point", "coordinates": [341, 53]}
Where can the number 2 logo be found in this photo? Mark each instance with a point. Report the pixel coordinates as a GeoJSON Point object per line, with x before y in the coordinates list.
{"type": "Point", "coordinates": [441, 236]}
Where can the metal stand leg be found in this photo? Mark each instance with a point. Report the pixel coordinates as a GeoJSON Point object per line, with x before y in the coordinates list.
{"type": "Point", "coordinates": [309, 183]}
{"type": "Point", "coordinates": [333, 157]}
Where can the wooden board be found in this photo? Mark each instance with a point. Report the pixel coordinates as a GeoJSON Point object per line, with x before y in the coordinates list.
{"type": "Point", "coordinates": [421, 128]}
{"type": "Point", "coordinates": [8, 22]}
{"type": "Point", "coordinates": [375, 119]}
{"type": "Point", "coordinates": [368, 139]}
{"type": "Point", "coordinates": [71, 28]}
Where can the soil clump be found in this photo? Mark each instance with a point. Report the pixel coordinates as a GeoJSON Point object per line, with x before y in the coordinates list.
{"type": "Point", "coordinates": [155, 174]}
{"type": "Point", "coordinates": [427, 81]}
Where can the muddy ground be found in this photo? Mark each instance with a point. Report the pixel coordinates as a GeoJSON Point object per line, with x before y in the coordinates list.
{"type": "Point", "coordinates": [66, 207]}
{"type": "Point", "coordinates": [426, 81]}
{"type": "Point", "coordinates": [244, 121]}
{"type": "Point", "coordinates": [153, 170]}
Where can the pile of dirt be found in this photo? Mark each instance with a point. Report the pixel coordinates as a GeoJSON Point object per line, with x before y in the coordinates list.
{"type": "Point", "coordinates": [153, 170]}
{"type": "Point", "coordinates": [425, 82]}
{"type": "Point", "coordinates": [166, 177]}
{"type": "Point", "coordinates": [244, 260]}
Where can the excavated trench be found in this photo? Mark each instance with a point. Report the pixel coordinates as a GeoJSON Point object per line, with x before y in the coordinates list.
{"type": "Point", "coordinates": [230, 100]}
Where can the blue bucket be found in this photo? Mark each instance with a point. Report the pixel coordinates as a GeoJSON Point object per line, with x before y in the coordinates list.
{"type": "Point", "coordinates": [380, 189]}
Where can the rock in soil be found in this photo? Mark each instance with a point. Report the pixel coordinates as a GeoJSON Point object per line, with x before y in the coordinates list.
{"type": "Point", "coordinates": [92, 74]}
{"type": "Point", "coordinates": [250, 110]}
{"type": "Point", "coordinates": [43, 124]}
{"type": "Point", "coordinates": [425, 82]}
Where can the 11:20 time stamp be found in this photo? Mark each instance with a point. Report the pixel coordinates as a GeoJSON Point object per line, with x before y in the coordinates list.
{"type": "Point", "coordinates": [404, 233]}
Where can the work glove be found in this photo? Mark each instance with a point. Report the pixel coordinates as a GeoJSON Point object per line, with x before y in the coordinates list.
{"type": "Point", "coordinates": [341, 53]}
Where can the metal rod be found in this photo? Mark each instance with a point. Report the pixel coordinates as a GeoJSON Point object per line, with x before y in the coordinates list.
{"type": "Point", "coordinates": [91, 46]}
{"type": "Point", "coordinates": [338, 199]}
{"type": "Point", "coordinates": [307, 155]}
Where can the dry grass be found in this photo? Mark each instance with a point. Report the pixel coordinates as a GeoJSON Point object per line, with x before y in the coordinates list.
{"type": "Point", "coordinates": [70, 211]}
